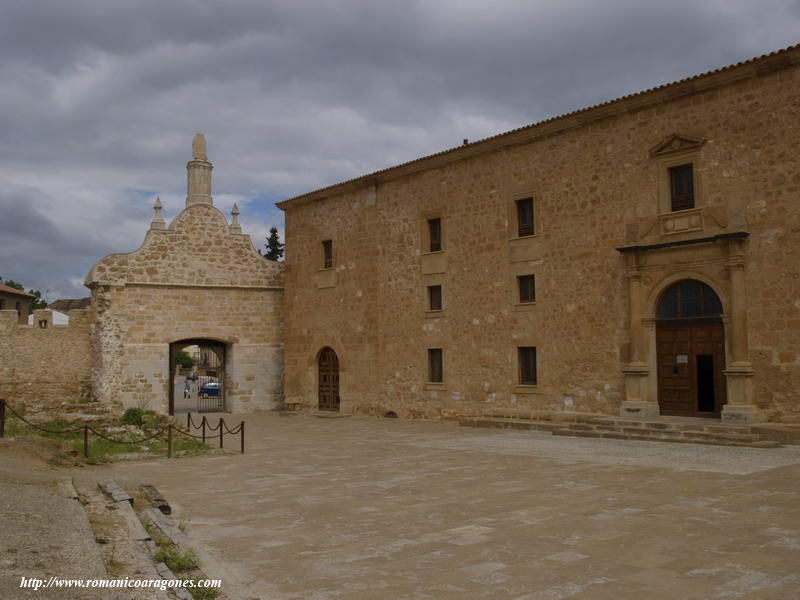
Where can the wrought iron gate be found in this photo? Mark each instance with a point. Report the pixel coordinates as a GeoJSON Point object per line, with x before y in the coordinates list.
{"type": "Point", "coordinates": [210, 373]}
{"type": "Point", "coordinates": [201, 387]}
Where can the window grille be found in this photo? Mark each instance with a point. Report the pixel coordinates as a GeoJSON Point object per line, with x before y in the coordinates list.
{"type": "Point", "coordinates": [527, 365]}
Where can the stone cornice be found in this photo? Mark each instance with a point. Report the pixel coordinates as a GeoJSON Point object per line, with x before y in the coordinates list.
{"type": "Point", "coordinates": [697, 84]}
{"type": "Point", "coordinates": [689, 242]}
{"type": "Point", "coordinates": [186, 285]}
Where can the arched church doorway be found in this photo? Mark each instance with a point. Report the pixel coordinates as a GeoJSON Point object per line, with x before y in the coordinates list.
{"type": "Point", "coordinates": [197, 376]}
{"type": "Point", "coordinates": [328, 367]}
{"type": "Point", "coordinates": [690, 341]}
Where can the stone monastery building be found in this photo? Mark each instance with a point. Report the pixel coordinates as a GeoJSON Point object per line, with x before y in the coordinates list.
{"type": "Point", "coordinates": [636, 257]}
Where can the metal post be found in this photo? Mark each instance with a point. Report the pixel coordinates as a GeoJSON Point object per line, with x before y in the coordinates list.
{"type": "Point", "coordinates": [203, 425]}
{"type": "Point", "coordinates": [242, 434]}
{"type": "Point", "coordinates": [2, 418]}
{"type": "Point", "coordinates": [221, 430]}
{"type": "Point", "coordinates": [169, 441]}
{"type": "Point", "coordinates": [85, 441]}
{"type": "Point", "coordinates": [189, 422]}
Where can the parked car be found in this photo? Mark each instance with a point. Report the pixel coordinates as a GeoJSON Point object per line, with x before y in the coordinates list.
{"type": "Point", "coordinates": [209, 389]}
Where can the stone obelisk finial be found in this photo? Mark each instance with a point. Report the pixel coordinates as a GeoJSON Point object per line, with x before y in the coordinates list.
{"type": "Point", "coordinates": [235, 227]}
{"type": "Point", "coordinates": [199, 173]}
{"type": "Point", "coordinates": [158, 220]}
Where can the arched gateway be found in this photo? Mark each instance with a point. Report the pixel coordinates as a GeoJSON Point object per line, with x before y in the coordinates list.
{"type": "Point", "coordinates": [198, 286]}
{"type": "Point", "coordinates": [690, 341]}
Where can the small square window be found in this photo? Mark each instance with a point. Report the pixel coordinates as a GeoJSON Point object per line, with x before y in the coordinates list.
{"type": "Point", "coordinates": [434, 235]}
{"type": "Point", "coordinates": [527, 288]}
{"type": "Point", "coordinates": [435, 365]}
{"type": "Point", "coordinates": [525, 217]}
{"type": "Point", "coordinates": [327, 254]}
{"type": "Point", "coordinates": [434, 297]}
{"type": "Point", "coordinates": [527, 365]}
{"type": "Point", "coordinates": [681, 181]}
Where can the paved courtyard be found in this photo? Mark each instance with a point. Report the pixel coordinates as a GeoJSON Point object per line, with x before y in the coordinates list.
{"type": "Point", "coordinates": [358, 508]}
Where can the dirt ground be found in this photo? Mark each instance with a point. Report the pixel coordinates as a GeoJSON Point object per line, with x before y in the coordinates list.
{"type": "Point", "coordinates": [43, 533]}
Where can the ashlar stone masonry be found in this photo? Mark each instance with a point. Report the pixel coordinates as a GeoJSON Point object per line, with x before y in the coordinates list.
{"type": "Point", "coordinates": [660, 232]}
{"type": "Point", "coordinates": [200, 278]}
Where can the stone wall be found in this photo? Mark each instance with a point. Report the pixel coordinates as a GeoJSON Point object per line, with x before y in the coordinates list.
{"type": "Point", "coordinates": [44, 368]}
{"type": "Point", "coordinates": [598, 182]}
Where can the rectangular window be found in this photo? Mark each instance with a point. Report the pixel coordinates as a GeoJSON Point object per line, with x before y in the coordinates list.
{"type": "Point", "coordinates": [435, 234]}
{"type": "Point", "coordinates": [525, 219]}
{"type": "Point", "coordinates": [435, 365]}
{"type": "Point", "coordinates": [681, 180]}
{"type": "Point", "coordinates": [434, 297]}
{"type": "Point", "coordinates": [17, 306]}
{"type": "Point", "coordinates": [527, 288]}
{"type": "Point", "coordinates": [527, 365]}
{"type": "Point", "coordinates": [327, 254]}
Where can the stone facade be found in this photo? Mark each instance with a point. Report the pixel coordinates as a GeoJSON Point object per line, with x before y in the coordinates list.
{"type": "Point", "coordinates": [16, 300]}
{"type": "Point", "coordinates": [44, 366]}
{"type": "Point", "coordinates": [199, 278]}
{"type": "Point", "coordinates": [605, 248]}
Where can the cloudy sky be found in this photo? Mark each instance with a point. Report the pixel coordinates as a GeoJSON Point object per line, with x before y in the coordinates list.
{"type": "Point", "coordinates": [99, 100]}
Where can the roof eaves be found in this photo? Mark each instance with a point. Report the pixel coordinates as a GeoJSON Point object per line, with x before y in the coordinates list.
{"type": "Point", "coordinates": [762, 64]}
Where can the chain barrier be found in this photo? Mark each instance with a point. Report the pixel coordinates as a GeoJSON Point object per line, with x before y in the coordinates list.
{"type": "Point", "coordinates": [222, 427]}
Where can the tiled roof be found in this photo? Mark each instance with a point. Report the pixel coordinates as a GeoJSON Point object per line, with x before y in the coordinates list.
{"type": "Point", "coordinates": [765, 58]}
{"type": "Point", "coordinates": [9, 290]}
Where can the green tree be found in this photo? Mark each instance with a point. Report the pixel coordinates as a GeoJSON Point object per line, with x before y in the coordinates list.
{"type": "Point", "coordinates": [183, 359]}
{"type": "Point", "coordinates": [273, 245]}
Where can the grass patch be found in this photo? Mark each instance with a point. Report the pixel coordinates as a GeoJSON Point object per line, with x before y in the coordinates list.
{"type": "Point", "coordinates": [177, 561]}
{"type": "Point", "coordinates": [101, 450]}
{"type": "Point", "coordinates": [203, 593]}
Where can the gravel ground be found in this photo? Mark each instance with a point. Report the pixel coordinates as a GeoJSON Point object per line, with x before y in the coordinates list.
{"type": "Point", "coordinates": [43, 533]}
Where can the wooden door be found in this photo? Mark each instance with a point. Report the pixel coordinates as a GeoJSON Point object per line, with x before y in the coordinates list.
{"type": "Point", "coordinates": [328, 380]}
{"type": "Point", "coordinates": [691, 361]}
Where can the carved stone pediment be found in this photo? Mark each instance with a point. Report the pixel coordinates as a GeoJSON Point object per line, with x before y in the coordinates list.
{"type": "Point", "coordinates": [676, 143]}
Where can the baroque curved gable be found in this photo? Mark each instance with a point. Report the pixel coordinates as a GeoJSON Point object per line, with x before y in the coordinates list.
{"type": "Point", "coordinates": [197, 249]}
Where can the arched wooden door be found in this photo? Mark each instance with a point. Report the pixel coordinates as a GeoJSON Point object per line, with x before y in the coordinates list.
{"type": "Point", "coordinates": [328, 379]}
{"type": "Point", "coordinates": [690, 340]}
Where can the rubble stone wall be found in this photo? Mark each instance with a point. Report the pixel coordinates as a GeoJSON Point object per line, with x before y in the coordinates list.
{"type": "Point", "coordinates": [45, 367]}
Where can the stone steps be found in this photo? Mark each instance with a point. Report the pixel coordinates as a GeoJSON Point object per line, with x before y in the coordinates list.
{"type": "Point", "coordinates": [686, 432]}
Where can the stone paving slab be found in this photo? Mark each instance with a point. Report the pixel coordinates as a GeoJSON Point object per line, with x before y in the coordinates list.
{"type": "Point", "coordinates": [363, 508]}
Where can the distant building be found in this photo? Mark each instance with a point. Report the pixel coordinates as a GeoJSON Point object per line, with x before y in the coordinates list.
{"type": "Point", "coordinates": [18, 300]}
{"type": "Point", "coordinates": [56, 317]}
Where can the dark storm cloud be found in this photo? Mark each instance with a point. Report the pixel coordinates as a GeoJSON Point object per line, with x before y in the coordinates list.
{"type": "Point", "coordinates": [100, 99]}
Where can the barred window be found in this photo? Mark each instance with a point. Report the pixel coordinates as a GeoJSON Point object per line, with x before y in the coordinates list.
{"type": "Point", "coordinates": [682, 187]}
{"type": "Point", "coordinates": [327, 254]}
{"type": "Point", "coordinates": [527, 365]}
{"type": "Point", "coordinates": [435, 365]}
{"type": "Point", "coordinates": [435, 234]}
{"type": "Point", "coordinates": [434, 297]}
{"type": "Point", "coordinates": [689, 299]}
{"type": "Point", "coordinates": [525, 218]}
{"type": "Point", "coordinates": [527, 288]}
